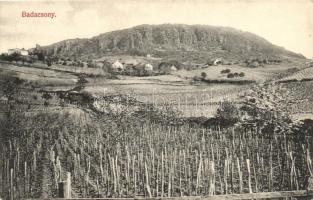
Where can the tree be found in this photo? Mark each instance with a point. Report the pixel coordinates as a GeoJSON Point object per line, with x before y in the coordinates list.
{"type": "Point", "coordinates": [230, 75]}
{"type": "Point", "coordinates": [303, 129]}
{"type": "Point", "coordinates": [9, 85]}
{"type": "Point", "coordinates": [9, 124]}
{"type": "Point", "coordinates": [48, 61]}
{"type": "Point", "coordinates": [203, 75]}
{"type": "Point", "coordinates": [228, 114]}
{"type": "Point", "coordinates": [41, 56]}
{"type": "Point", "coordinates": [11, 57]}
{"type": "Point", "coordinates": [225, 71]}
{"type": "Point", "coordinates": [267, 115]}
{"type": "Point", "coordinates": [241, 74]}
{"type": "Point", "coordinates": [46, 96]}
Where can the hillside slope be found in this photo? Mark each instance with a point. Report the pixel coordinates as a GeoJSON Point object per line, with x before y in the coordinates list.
{"type": "Point", "coordinates": [166, 39]}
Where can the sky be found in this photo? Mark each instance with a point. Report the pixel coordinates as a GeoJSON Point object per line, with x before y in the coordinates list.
{"type": "Point", "coordinates": [284, 23]}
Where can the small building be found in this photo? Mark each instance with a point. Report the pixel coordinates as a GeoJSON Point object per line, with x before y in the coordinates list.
{"type": "Point", "coordinates": [148, 67]}
{"type": "Point", "coordinates": [117, 66]}
{"type": "Point", "coordinates": [217, 61]}
{"type": "Point", "coordinates": [12, 51]}
{"type": "Point", "coordinates": [22, 51]}
{"type": "Point", "coordinates": [4, 99]}
{"type": "Point", "coordinates": [173, 68]}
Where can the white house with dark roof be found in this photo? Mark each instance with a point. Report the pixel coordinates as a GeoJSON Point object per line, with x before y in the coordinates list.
{"type": "Point", "coordinates": [173, 68]}
{"type": "Point", "coordinates": [117, 66]}
{"type": "Point", "coordinates": [148, 67]}
{"type": "Point", "coordinates": [22, 51]}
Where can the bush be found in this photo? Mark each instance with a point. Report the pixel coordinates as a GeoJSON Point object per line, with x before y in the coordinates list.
{"type": "Point", "coordinates": [225, 71]}
{"type": "Point", "coordinates": [10, 85]}
{"type": "Point", "coordinates": [241, 74]}
{"type": "Point", "coordinates": [48, 63]}
{"type": "Point", "coordinates": [12, 57]}
{"type": "Point", "coordinates": [203, 75]}
{"type": "Point", "coordinates": [228, 114]}
{"type": "Point", "coordinates": [41, 56]}
{"type": "Point", "coordinates": [46, 103]}
{"type": "Point", "coordinates": [230, 75]}
{"type": "Point", "coordinates": [303, 129]}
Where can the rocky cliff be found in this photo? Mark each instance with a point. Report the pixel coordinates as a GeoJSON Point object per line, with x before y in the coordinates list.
{"type": "Point", "coordinates": [171, 38]}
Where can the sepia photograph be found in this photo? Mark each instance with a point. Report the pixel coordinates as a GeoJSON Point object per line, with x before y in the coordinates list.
{"type": "Point", "coordinates": [167, 99]}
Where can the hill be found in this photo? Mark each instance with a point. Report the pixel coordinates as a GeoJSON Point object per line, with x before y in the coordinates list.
{"type": "Point", "coordinates": [172, 40]}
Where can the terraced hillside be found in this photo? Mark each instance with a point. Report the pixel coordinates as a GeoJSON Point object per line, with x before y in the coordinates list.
{"type": "Point", "coordinates": [299, 98]}
{"type": "Point", "coordinates": [302, 75]}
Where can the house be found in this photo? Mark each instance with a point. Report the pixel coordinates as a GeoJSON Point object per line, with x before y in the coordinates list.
{"type": "Point", "coordinates": [117, 66]}
{"type": "Point", "coordinates": [4, 99]}
{"type": "Point", "coordinates": [217, 61]}
{"type": "Point", "coordinates": [12, 51]}
{"type": "Point", "coordinates": [22, 51]}
{"type": "Point", "coordinates": [173, 68]}
{"type": "Point", "coordinates": [148, 67]}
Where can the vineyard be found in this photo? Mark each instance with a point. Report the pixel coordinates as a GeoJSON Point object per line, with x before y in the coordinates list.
{"type": "Point", "coordinates": [107, 159]}
{"type": "Point", "coordinates": [126, 143]}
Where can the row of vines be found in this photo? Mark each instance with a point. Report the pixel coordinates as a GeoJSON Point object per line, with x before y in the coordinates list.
{"type": "Point", "coordinates": [150, 160]}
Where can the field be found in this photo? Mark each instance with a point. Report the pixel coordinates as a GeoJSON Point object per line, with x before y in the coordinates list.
{"type": "Point", "coordinates": [176, 89]}
{"type": "Point", "coordinates": [107, 160]}
{"type": "Point", "coordinates": [148, 153]}
{"type": "Point", "coordinates": [214, 72]}
{"type": "Point", "coordinates": [190, 99]}
{"type": "Point", "coordinates": [43, 77]}
{"type": "Point", "coordinates": [79, 70]}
